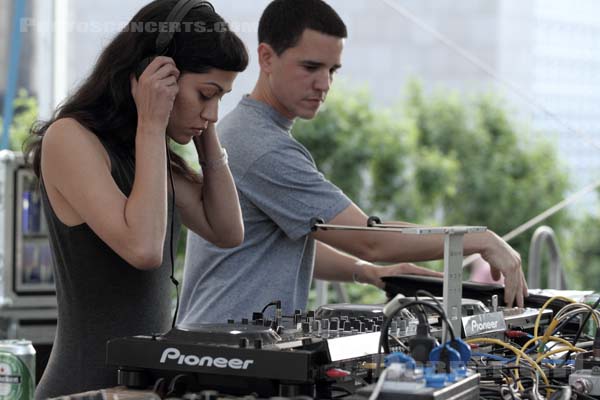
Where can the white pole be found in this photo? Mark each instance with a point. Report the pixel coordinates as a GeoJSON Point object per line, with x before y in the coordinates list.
{"type": "Point", "coordinates": [60, 63]}
{"type": "Point", "coordinates": [43, 71]}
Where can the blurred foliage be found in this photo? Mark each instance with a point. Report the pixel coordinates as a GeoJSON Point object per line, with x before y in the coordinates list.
{"type": "Point", "coordinates": [437, 159]}
{"type": "Point", "coordinates": [434, 159]}
{"type": "Point", "coordinates": [25, 109]}
{"type": "Point", "coordinates": [586, 248]}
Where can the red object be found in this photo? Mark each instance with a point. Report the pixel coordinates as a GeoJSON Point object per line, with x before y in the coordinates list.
{"type": "Point", "coordinates": [336, 373]}
{"type": "Point", "coordinates": [515, 334]}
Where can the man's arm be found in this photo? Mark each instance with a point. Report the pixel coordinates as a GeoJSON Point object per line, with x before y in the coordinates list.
{"type": "Point", "coordinates": [333, 265]}
{"type": "Point", "coordinates": [396, 247]}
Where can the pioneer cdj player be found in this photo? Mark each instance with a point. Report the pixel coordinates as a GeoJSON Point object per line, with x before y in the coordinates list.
{"type": "Point", "coordinates": [303, 354]}
{"type": "Point", "coordinates": [320, 354]}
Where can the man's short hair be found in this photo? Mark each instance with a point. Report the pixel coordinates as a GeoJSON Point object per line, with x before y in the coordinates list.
{"type": "Point", "coordinates": [284, 21]}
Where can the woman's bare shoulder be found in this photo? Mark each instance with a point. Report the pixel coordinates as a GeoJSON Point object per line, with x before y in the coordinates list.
{"type": "Point", "coordinates": [66, 137]}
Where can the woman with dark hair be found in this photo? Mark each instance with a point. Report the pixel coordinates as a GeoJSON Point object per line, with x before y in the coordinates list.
{"type": "Point", "coordinates": [103, 164]}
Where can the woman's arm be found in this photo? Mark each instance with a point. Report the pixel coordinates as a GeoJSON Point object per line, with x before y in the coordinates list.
{"type": "Point", "coordinates": [76, 169]}
{"type": "Point", "coordinates": [211, 207]}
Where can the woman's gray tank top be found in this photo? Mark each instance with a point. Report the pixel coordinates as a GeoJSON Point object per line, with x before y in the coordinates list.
{"type": "Point", "coordinates": [100, 296]}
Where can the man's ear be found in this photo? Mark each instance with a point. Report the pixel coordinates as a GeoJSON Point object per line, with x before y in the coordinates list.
{"type": "Point", "coordinates": [266, 56]}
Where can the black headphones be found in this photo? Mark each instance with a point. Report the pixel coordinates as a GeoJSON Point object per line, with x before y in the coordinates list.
{"type": "Point", "coordinates": [164, 39]}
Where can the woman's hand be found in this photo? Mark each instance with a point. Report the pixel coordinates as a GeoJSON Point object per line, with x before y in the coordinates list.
{"type": "Point", "coordinates": [207, 145]}
{"type": "Point", "coordinates": [155, 92]}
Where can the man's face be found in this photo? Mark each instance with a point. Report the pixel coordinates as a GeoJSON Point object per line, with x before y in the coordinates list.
{"type": "Point", "coordinates": [302, 75]}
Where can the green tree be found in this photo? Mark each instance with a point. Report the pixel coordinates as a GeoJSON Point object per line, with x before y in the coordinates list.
{"type": "Point", "coordinates": [373, 156]}
{"type": "Point", "coordinates": [436, 159]}
{"type": "Point", "coordinates": [505, 177]}
{"type": "Point", "coordinates": [25, 114]}
{"type": "Point", "coordinates": [586, 245]}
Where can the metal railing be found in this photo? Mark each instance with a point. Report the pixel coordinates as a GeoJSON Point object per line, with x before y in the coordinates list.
{"type": "Point", "coordinates": [556, 277]}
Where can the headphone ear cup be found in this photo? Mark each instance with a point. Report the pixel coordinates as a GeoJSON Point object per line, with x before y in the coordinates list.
{"type": "Point", "coordinates": [207, 4]}
{"type": "Point", "coordinates": [142, 66]}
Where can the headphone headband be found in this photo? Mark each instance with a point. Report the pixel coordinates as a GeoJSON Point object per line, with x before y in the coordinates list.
{"type": "Point", "coordinates": [176, 15]}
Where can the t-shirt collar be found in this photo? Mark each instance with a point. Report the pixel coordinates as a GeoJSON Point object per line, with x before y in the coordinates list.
{"type": "Point", "coordinates": [273, 114]}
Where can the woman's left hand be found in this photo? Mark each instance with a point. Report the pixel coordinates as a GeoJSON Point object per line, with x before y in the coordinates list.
{"type": "Point", "coordinates": [204, 141]}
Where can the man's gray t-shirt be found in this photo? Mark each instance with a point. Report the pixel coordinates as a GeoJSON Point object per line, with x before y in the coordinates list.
{"type": "Point", "coordinates": [280, 191]}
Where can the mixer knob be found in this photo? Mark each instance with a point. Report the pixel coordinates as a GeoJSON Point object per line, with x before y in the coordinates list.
{"type": "Point", "coordinates": [334, 324]}
{"type": "Point", "coordinates": [403, 325]}
{"type": "Point", "coordinates": [347, 326]}
{"type": "Point", "coordinates": [305, 327]}
{"type": "Point", "coordinates": [316, 326]}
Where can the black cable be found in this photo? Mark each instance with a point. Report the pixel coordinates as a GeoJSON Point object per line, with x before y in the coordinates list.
{"type": "Point", "coordinates": [345, 391]}
{"type": "Point", "coordinates": [432, 297]}
{"type": "Point", "coordinates": [422, 316]}
{"type": "Point", "coordinates": [175, 282]}
{"type": "Point", "coordinates": [490, 388]}
{"type": "Point", "coordinates": [383, 338]}
{"type": "Point", "coordinates": [563, 323]}
{"type": "Point", "coordinates": [276, 303]}
{"type": "Point", "coordinates": [578, 334]}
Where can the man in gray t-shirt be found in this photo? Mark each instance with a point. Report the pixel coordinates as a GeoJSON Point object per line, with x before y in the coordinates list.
{"type": "Point", "coordinates": [281, 190]}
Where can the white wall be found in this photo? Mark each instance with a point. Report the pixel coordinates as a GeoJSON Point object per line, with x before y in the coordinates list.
{"type": "Point", "coordinates": [5, 12]}
{"type": "Point", "coordinates": [514, 38]}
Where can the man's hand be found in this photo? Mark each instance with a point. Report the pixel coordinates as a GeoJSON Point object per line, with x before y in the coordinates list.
{"type": "Point", "coordinates": [506, 261]}
{"type": "Point", "coordinates": [373, 274]}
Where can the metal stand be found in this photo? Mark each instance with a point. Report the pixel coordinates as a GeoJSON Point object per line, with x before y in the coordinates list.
{"type": "Point", "coordinates": [453, 258]}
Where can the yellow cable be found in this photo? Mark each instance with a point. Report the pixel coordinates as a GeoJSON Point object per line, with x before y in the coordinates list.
{"type": "Point", "coordinates": [539, 317]}
{"type": "Point", "coordinates": [517, 352]}
{"type": "Point", "coordinates": [555, 351]}
{"type": "Point", "coordinates": [563, 311]}
{"type": "Point", "coordinates": [550, 338]}
{"type": "Point", "coordinates": [548, 331]}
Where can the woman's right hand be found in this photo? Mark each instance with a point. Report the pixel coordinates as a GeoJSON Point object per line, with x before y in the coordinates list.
{"type": "Point", "coordinates": [155, 92]}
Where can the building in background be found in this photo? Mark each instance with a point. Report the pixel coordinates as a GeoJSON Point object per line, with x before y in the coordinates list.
{"type": "Point", "coordinates": [548, 49]}
{"type": "Point", "coordinates": [566, 80]}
